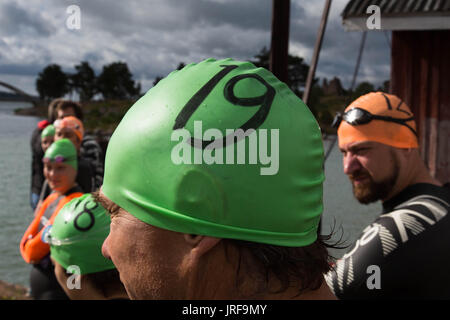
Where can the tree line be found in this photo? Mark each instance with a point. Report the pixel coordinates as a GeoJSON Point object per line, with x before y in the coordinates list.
{"type": "Point", "coordinates": [115, 82]}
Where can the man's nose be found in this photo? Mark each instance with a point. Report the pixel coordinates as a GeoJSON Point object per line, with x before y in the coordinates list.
{"type": "Point", "coordinates": [351, 164]}
{"type": "Point", "coordinates": [105, 251]}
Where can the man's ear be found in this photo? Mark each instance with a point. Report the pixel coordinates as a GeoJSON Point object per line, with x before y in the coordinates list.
{"type": "Point", "coordinates": [200, 244]}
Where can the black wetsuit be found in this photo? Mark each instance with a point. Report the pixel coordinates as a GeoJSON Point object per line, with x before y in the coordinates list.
{"type": "Point", "coordinates": [37, 167]}
{"type": "Point", "coordinates": [43, 282]}
{"type": "Point", "coordinates": [404, 254]}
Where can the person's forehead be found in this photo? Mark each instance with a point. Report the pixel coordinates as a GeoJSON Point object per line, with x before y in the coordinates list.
{"type": "Point", "coordinates": [67, 111]}
{"type": "Point", "coordinates": [65, 130]}
{"type": "Point", "coordinates": [360, 144]}
{"type": "Point", "coordinates": [57, 165]}
{"type": "Point", "coordinates": [63, 165]}
{"type": "Point", "coordinates": [107, 203]}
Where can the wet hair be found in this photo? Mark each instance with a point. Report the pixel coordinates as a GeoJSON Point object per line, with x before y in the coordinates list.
{"type": "Point", "coordinates": [299, 267]}
{"type": "Point", "coordinates": [109, 206]}
{"type": "Point", "coordinates": [66, 104]}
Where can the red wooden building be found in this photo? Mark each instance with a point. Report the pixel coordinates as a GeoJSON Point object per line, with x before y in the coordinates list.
{"type": "Point", "coordinates": [420, 67]}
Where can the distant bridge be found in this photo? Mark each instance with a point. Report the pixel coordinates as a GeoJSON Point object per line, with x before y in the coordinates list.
{"type": "Point", "coordinates": [21, 95]}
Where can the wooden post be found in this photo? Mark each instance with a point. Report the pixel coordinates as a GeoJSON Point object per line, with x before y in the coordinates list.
{"type": "Point", "coordinates": [280, 39]}
{"type": "Point", "coordinates": [315, 58]}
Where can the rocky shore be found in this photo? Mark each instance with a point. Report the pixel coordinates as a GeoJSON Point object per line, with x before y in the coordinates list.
{"type": "Point", "coordinates": [13, 291]}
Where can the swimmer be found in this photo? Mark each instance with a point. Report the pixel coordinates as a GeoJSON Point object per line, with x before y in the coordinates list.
{"type": "Point", "coordinates": [75, 239]}
{"type": "Point", "coordinates": [194, 230]}
{"type": "Point", "coordinates": [60, 170]}
{"type": "Point", "coordinates": [403, 254]}
{"type": "Point", "coordinates": [47, 137]}
{"type": "Point", "coordinates": [70, 128]}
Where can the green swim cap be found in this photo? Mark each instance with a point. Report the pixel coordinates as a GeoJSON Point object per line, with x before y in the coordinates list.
{"type": "Point", "coordinates": [254, 200]}
{"type": "Point", "coordinates": [77, 235]}
{"type": "Point", "coordinates": [49, 131]}
{"type": "Point", "coordinates": [62, 151]}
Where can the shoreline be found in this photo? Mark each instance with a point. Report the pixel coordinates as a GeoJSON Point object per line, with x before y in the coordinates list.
{"type": "Point", "coordinates": [10, 291]}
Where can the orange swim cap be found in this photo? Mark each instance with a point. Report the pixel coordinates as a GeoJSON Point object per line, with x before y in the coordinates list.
{"type": "Point", "coordinates": [73, 123]}
{"type": "Point", "coordinates": [384, 131]}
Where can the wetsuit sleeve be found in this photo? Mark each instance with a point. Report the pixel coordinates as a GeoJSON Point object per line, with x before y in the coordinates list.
{"type": "Point", "coordinates": [354, 275]}
{"type": "Point", "coordinates": [32, 248]}
{"type": "Point", "coordinates": [396, 255]}
{"type": "Point", "coordinates": [30, 244]}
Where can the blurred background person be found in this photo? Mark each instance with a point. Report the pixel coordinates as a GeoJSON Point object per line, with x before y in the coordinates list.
{"type": "Point", "coordinates": [47, 137]}
{"type": "Point", "coordinates": [89, 148]}
{"type": "Point", "coordinates": [60, 170]}
{"type": "Point", "coordinates": [72, 128]}
{"type": "Point", "coordinates": [37, 174]}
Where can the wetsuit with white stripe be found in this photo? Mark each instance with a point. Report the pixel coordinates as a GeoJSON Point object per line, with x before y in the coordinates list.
{"type": "Point", "coordinates": [403, 254]}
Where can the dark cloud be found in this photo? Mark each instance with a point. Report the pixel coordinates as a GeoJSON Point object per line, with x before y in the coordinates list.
{"type": "Point", "coordinates": [339, 50]}
{"type": "Point", "coordinates": [154, 36]}
{"type": "Point", "coordinates": [17, 20]}
{"type": "Point", "coordinates": [172, 15]}
{"type": "Point", "coordinates": [250, 14]}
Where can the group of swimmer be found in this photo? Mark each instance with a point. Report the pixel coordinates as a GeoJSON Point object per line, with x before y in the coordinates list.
{"type": "Point", "coordinates": [140, 226]}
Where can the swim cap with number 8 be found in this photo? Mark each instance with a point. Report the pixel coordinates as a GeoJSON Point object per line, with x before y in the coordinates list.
{"type": "Point", "coordinates": [177, 160]}
{"type": "Point", "coordinates": [77, 235]}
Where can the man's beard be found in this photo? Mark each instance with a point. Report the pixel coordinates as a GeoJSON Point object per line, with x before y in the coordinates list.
{"type": "Point", "coordinates": [371, 191]}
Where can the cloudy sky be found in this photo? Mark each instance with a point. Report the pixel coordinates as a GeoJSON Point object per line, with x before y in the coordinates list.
{"type": "Point", "coordinates": [153, 36]}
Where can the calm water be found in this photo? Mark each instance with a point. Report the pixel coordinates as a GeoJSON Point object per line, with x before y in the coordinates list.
{"type": "Point", "coordinates": [16, 214]}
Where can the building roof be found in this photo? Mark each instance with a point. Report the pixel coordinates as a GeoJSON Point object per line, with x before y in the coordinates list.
{"type": "Point", "coordinates": [398, 14]}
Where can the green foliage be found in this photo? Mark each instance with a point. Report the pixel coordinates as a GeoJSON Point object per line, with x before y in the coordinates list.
{"type": "Point", "coordinates": [314, 102]}
{"type": "Point", "coordinates": [105, 115]}
{"type": "Point", "coordinates": [362, 89]}
{"type": "Point", "coordinates": [52, 82]}
{"type": "Point", "coordinates": [118, 88]}
{"type": "Point", "coordinates": [116, 82]}
{"type": "Point", "coordinates": [84, 81]}
{"type": "Point", "coordinates": [297, 69]}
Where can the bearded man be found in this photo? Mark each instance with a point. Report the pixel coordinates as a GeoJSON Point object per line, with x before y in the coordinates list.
{"type": "Point", "coordinates": [404, 253]}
